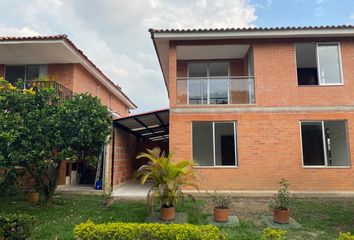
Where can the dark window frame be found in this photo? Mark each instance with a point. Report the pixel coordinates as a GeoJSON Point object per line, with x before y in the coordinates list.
{"type": "Point", "coordinates": [236, 165]}
{"type": "Point", "coordinates": [325, 146]}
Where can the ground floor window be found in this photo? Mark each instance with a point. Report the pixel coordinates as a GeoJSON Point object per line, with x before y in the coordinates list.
{"type": "Point", "coordinates": [214, 143]}
{"type": "Point", "coordinates": [324, 143]}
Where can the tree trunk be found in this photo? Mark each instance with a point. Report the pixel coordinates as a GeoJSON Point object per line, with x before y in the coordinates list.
{"type": "Point", "coordinates": [52, 183]}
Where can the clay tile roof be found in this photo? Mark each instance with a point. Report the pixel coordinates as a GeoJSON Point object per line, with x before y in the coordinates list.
{"type": "Point", "coordinates": [65, 38]}
{"type": "Point", "coordinates": [249, 29]}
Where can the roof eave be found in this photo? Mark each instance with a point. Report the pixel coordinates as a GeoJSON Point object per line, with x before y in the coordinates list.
{"type": "Point", "coordinates": [159, 59]}
{"type": "Point", "coordinates": [291, 33]}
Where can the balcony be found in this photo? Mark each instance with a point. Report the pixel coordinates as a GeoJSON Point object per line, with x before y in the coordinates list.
{"type": "Point", "coordinates": [215, 90]}
{"type": "Point", "coordinates": [61, 91]}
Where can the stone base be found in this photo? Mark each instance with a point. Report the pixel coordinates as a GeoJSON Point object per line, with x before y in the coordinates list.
{"type": "Point", "coordinates": [233, 221]}
{"type": "Point", "coordinates": [268, 220]}
{"type": "Point", "coordinates": [180, 217]}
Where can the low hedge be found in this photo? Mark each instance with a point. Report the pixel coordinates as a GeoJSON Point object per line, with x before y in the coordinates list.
{"type": "Point", "coordinates": [16, 226]}
{"type": "Point", "coordinates": [146, 231]}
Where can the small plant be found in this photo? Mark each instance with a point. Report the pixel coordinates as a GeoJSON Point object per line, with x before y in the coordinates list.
{"type": "Point", "coordinates": [345, 236]}
{"type": "Point", "coordinates": [282, 200]}
{"type": "Point", "coordinates": [222, 202]}
{"type": "Point", "coordinates": [273, 234]}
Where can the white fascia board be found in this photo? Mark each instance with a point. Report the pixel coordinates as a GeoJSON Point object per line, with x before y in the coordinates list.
{"type": "Point", "coordinates": [256, 34]}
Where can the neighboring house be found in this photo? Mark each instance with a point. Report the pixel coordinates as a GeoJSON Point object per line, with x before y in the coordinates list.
{"type": "Point", "coordinates": [70, 71]}
{"type": "Point", "coordinates": [252, 106]}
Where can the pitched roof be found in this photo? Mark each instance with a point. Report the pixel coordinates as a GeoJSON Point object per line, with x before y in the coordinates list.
{"type": "Point", "coordinates": [250, 29]}
{"type": "Point", "coordinates": [65, 38]}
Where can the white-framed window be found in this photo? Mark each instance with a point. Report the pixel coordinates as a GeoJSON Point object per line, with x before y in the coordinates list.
{"type": "Point", "coordinates": [27, 73]}
{"type": "Point", "coordinates": [208, 82]}
{"type": "Point", "coordinates": [214, 143]}
{"type": "Point", "coordinates": [325, 143]}
{"type": "Point", "coordinates": [318, 64]}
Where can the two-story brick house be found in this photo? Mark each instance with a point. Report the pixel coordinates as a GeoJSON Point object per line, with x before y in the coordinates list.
{"type": "Point", "coordinates": [57, 58]}
{"type": "Point", "coordinates": [252, 106]}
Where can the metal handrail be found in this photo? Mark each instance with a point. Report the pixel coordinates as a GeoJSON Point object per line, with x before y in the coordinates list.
{"type": "Point", "coordinates": [220, 77]}
{"type": "Point", "coordinates": [62, 92]}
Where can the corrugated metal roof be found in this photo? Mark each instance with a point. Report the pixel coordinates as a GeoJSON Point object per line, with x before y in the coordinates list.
{"type": "Point", "coordinates": [151, 126]}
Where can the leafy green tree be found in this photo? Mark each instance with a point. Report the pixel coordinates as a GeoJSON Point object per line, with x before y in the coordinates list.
{"type": "Point", "coordinates": [39, 130]}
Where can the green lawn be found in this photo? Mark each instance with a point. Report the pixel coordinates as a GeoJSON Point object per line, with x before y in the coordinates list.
{"type": "Point", "coordinates": [321, 219]}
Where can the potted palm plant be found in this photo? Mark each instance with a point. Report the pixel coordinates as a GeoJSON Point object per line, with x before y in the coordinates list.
{"type": "Point", "coordinates": [221, 209]}
{"type": "Point", "coordinates": [167, 177]}
{"type": "Point", "coordinates": [281, 203]}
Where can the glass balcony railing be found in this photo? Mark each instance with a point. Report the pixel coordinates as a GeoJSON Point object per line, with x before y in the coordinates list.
{"type": "Point", "coordinates": [215, 90]}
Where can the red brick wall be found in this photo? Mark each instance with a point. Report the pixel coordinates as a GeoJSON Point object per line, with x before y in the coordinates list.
{"type": "Point", "coordinates": [85, 82]}
{"type": "Point", "coordinates": [62, 73]}
{"type": "Point", "coordinates": [269, 148]}
{"type": "Point", "coordinates": [276, 80]}
{"type": "Point", "coordinates": [269, 142]}
{"type": "Point", "coordinates": [124, 156]}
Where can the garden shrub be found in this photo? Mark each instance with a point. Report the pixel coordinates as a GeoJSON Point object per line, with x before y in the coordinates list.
{"type": "Point", "coordinates": [146, 231]}
{"type": "Point", "coordinates": [273, 234]}
{"type": "Point", "coordinates": [16, 226]}
{"type": "Point", "coordinates": [345, 236]}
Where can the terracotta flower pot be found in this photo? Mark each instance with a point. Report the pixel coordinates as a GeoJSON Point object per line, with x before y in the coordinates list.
{"type": "Point", "coordinates": [221, 214]}
{"type": "Point", "coordinates": [167, 213]}
{"type": "Point", "coordinates": [281, 216]}
{"type": "Point", "coordinates": [33, 197]}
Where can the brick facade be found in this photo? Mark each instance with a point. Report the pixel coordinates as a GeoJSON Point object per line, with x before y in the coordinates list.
{"type": "Point", "coordinates": [86, 82]}
{"type": "Point", "coordinates": [268, 141]}
{"type": "Point", "coordinates": [124, 156]}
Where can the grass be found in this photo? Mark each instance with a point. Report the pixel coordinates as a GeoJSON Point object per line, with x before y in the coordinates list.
{"type": "Point", "coordinates": [321, 219]}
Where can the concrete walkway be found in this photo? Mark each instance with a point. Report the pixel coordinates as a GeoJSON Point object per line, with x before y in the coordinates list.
{"type": "Point", "coordinates": [78, 189]}
{"type": "Point", "coordinates": [132, 190]}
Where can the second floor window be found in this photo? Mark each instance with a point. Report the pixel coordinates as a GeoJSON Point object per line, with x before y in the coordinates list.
{"type": "Point", "coordinates": [318, 64]}
{"type": "Point", "coordinates": [27, 73]}
{"type": "Point", "coordinates": [208, 83]}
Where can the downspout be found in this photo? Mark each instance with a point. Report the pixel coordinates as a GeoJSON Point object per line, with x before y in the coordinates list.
{"type": "Point", "coordinates": [113, 143]}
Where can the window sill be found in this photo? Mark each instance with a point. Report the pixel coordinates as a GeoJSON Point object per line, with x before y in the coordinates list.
{"type": "Point", "coordinates": [327, 167]}
{"type": "Point", "coordinates": [323, 85]}
{"type": "Point", "coordinates": [216, 167]}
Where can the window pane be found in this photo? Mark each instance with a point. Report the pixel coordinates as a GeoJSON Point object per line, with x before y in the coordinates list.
{"type": "Point", "coordinates": [35, 71]}
{"type": "Point", "coordinates": [306, 63]}
{"type": "Point", "coordinates": [14, 73]}
{"type": "Point", "coordinates": [337, 145]}
{"type": "Point", "coordinates": [312, 143]}
{"type": "Point", "coordinates": [198, 69]}
{"type": "Point", "coordinates": [329, 64]}
{"type": "Point", "coordinates": [197, 91]}
{"type": "Point", "coordinates": [224, 144]}
{"type": "Point", "coordinates": [203, 143]}
{"type": "Point", "coordinates": [218, 91]}
{"type": "Point", "coordinates": [217, 69]}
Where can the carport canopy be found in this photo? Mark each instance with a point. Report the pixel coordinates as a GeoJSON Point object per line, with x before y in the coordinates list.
{"type": "Point", "coordinates": [150, 126]}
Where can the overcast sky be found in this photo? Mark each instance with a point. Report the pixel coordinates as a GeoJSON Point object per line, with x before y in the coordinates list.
{"type": "Point", "coordinates": [114, 33]}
